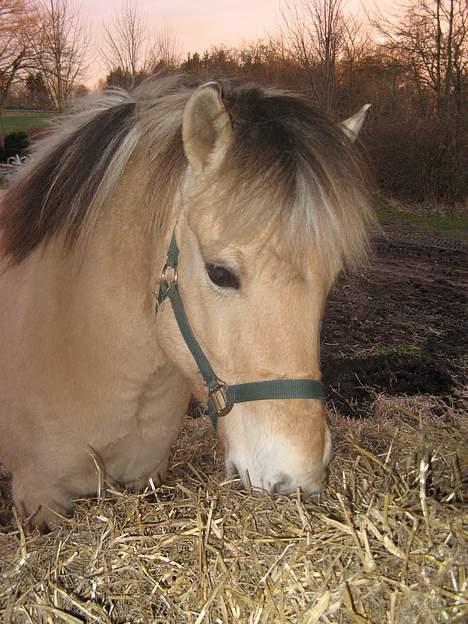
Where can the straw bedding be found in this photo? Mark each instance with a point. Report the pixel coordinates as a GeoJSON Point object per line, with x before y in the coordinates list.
{"type": "Point", "coordinates": [384, 544]}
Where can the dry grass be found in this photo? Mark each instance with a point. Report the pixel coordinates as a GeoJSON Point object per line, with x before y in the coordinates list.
{"type": "Point", "coordinates": [385, 544]}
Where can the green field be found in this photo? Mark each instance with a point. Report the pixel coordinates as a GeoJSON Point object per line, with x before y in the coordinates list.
{"type": "Point", "coordinates": [23, 120]}
{"type": "Point", "coordinates": [418, 219]}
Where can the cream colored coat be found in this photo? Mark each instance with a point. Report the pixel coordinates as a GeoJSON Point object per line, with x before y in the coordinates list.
{"type": "Point", "coordinates": [87, 370]}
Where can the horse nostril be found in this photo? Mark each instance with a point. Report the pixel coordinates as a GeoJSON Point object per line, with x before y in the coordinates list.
{"type": "Point", "coordinates": [281, 485]}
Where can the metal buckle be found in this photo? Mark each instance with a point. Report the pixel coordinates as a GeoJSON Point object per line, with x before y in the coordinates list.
{"type": "Point", "coordinates": [219, 399]}
{"type": "Point", "coordinates": [169, 275]}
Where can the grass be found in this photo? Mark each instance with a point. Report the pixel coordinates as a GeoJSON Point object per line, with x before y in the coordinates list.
{"type": "Point", "coordinates": [423, 219]}
{"type": "Point", "coordinates": [25, 121]}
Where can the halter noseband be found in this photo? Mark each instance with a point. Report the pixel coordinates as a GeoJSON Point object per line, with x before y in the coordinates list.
{"type": "Point", "coordinates": [221, 396]}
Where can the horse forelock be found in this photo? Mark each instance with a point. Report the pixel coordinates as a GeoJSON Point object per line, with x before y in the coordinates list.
{"type": "Point", "coordinates": [290, 171]}
{"type": "Point", "coordinates": [288, 168]}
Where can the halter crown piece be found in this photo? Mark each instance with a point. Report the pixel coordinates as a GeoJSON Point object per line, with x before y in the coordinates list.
{"type": "Point", "coordinates": [222, 396]}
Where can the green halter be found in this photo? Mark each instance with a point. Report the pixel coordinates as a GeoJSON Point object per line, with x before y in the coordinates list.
{"type": "Point", "coordinates": [221, 396]}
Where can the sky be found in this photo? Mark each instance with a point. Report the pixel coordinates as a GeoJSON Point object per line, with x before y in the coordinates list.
{"type": "Point", "coordinates": [197, 24]}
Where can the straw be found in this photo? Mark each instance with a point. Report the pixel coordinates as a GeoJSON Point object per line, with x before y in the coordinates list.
{"type": "Point", "coordinates": [386, 542]}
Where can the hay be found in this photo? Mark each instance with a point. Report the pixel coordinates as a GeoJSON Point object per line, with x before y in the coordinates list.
{"type": "Point", "coordinates": [385, 544]}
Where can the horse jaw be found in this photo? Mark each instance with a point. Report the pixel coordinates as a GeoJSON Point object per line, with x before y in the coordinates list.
{"type": "Point", "coordinates": [352, 126]}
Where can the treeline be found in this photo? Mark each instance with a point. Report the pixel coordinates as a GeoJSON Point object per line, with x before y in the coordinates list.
{"type": "Point", "coordinates": [411, 66]}
{"type": "Point", "coordinates": [43, 52]}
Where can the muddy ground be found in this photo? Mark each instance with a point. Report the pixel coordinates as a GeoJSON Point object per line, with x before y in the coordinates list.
{"type": "Point", "coordinates": [400, 325]}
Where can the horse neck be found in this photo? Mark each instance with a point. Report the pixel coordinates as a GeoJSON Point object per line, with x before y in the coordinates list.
{"type": "Point", "coordinates": [107, 281]}
{"type": "Point", "coordinates": [124, 251]}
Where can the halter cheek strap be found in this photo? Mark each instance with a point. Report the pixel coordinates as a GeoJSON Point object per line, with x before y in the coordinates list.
{"type": "Point", "coordinates": [221, 396]}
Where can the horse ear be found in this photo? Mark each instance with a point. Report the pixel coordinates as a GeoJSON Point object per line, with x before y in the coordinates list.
{"type": "Point", "coordinates": [206, 128]}
{"type": "Point", "coordinates": [352, 126]}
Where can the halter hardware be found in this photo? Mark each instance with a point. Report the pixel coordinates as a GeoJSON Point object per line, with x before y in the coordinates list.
{"type": "Point", "coordinates": [221, 396]}
{"type": "Point", "coordinates": [217, 398]}
{"type": "Point", "coordinates": [169, 275]}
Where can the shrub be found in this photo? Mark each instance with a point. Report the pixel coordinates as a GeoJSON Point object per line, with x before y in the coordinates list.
{"type": "Point", "coordinates": [419, 159]}
{"type": "Point", "coordinates": [15, 143]}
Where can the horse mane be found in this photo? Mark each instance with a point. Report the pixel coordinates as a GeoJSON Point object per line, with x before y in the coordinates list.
{"type": "Point", "coordinates": [65, 180]}
{"type": "Point", "coordinates": [288, 166]}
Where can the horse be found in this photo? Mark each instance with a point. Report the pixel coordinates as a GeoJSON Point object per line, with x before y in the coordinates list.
{"type": "Point", "coordinates": [176, 242]}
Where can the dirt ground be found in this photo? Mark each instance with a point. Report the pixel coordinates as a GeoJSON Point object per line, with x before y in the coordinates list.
{"type": "Point", "coordinates": [400, 325]}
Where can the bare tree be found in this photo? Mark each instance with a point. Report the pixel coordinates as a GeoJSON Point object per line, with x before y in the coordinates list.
{"type": "Point", "coordinates": [163, 53]}
{"type": "Point", "coordinates": [314, 31]}
{"type": "Point", "coordinates": [130, 53]}
{"type": "Point", "coordinates": [61, 48]}
{"type": "Point", "coordinates": [357, 50]}
{"type": "Point", "coordinates": [431, 37]}
{"type": "Point", "coordinates": [17, 27]}
{"type": "Point", "coordinates": [357, 43]}
{"type": "Point", "coordinates": [125, 45]}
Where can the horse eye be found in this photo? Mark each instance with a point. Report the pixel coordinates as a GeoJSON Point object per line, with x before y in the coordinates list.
{"type": "Point", "coordinates": [222, 277]}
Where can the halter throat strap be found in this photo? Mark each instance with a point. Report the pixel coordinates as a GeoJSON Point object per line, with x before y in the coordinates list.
{"type": "Point", "coordinates": [222, 396]}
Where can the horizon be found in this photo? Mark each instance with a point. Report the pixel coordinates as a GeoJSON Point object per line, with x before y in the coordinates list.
{"type": "Point", "coordinates": [196, 27]}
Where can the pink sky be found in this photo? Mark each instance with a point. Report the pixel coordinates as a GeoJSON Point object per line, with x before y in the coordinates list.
{"type": "Point", "coordinates": [197, 25]}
